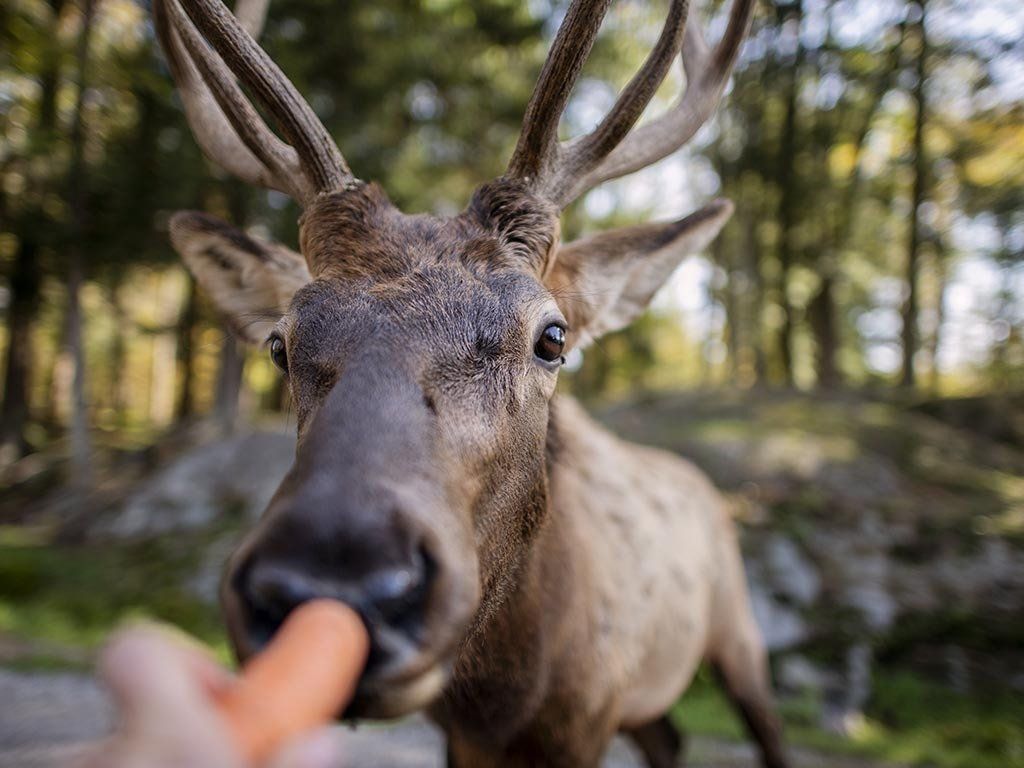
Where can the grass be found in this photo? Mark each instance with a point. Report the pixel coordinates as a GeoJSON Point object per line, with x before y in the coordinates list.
{"type": "Point", "coordinates": [909, 720]}
{"type": "Point", "coordinates": [66, 597]}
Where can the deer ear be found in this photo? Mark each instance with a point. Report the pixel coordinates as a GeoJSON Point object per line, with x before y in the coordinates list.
{"type": "Point", "coordinates": [604, 281]}
{"type": "Point", "coordinates": [251, 282]}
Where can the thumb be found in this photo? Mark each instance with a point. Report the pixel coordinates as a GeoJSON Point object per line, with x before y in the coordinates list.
{"type": "Point", "coordinates": [318, 749]}
{"type": "Point", "coordinates": [162, 685]}
{"type": "Point", "coordinates": [151, 668]}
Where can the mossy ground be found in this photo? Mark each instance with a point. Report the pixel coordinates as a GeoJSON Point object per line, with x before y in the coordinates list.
{"type": "Point", "coordinates": [59, 602]}
{"type": "Point", "coordinates": [908, 721]}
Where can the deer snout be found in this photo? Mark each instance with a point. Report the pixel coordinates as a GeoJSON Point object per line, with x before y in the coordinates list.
{"type": "Point", "coordinates": [391, 594]}
{"type": "Point", "coordinates": [394, 574]}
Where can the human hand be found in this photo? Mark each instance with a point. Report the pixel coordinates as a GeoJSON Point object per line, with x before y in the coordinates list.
{"type": "Point", "coordinates": [165, 688]}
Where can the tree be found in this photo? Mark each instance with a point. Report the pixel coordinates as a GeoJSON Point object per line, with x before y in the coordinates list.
{"type": "Point", "coordinates": [33, 222]}
{"type": "Point", "coordinates": [81, 442]}
{"type": "Point", "coordinates": [792, 16]}
{"type": "Point", "coordinates": [917, 198]}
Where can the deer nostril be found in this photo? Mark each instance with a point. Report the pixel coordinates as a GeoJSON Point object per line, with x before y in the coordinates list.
{"type": "Point", "coordinates": [270, 591]}
{"type": "Point", "coordinates": [391, 598]}
{"type": "Point", "coordinates": [397, 596]}
{"type": "Point", "coordinates": [278, 589]}
{"type": "Point", "coordinates": [387, 587]}
{"type": "Point", "coordinates": [267, 591]}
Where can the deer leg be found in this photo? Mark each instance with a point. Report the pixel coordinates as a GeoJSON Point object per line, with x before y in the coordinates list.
{"type": "Point", "coordinates": [461, 755]}
{"type": "Point", "coordinates": [741, 665]}
{"type": "Point", "coordinates": [662, 744]}
{"type": "Point", "coordinates": [559, 736]}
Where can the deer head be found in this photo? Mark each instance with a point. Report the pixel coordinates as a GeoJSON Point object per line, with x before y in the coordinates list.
{"type": "Point", "coordinates": [421, 352]}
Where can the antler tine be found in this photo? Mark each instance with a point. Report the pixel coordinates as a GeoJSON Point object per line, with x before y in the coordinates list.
{"type": "Point", "coordinates": [536, 151]}
{"type": "Point", "coordinates": [707, 73]}
{"type": "Point", "coordinates": [551, 169]}
{"type": "Point", "coordinates": [321, 162]}
{"type": "Point", "coordinates": [211, 127]}
{"type": "Point", "coordinates": [243, 138]}
{"type": "Point", "coordinates": [585, 153]}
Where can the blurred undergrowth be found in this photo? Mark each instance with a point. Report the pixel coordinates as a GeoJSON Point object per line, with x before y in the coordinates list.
{"type": "Point", "coordinates": [59, 602]}
{"type": "Point", "coordinates": [908, 720]}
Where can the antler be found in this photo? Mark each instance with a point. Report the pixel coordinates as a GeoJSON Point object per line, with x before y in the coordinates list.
{"type": "Point", "coordinates": [564, 171]}
{"type": "Point", "coordinates": [206, 47]}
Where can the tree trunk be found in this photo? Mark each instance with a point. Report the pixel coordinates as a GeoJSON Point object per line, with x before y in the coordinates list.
{"type": "Point", "coordinates": [910, 307]}
{"type": "Point", "coordinates": [232, 358]}
{"type": "Point", "coordinates": [788, 198]}
{"type": "Point", "coordinates": [229, 384]}
{"type": "Point", "coordinates": [822, 312]}
{"type": "Point", "coordinates": [935, 339]}
{"type": "Point", "coordinates": [752, 246]}
{"type": "Point", "coordinates": [823, 309]}
{"type": "Point", "coordinates": [81, 443]}
{"type": "Point", "coordinates": [24, 288]}
{"type": "Point", "coordinates": [186, 326]}
{"type": "Point", "coordinates": [49, 78]}
{"type": "Point", "coordinates": [26, 277]}
{"type": "Point", "coordinates": [119, 386]}
{"type": "Point", "coordinates": [724, 257]}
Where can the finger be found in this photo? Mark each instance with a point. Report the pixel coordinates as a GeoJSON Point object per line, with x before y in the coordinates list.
{"type": "Point", "coordinates": [146, 665]}
{"type": "Point", "coordinates": [160, 683]}
{"type": "Point", "coordinates": [200, 662]}
{"type": "Point", "coordinates": [319, 749]}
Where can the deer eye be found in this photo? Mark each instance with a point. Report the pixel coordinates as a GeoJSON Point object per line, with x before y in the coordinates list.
{"type": "Point", "coordinates": [278, 353]}
{"type": "Point", "coordinates": [550, 344]}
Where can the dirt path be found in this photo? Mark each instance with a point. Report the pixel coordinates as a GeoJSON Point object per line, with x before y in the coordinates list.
{"type": "Point", "coordinates": [46, 718]}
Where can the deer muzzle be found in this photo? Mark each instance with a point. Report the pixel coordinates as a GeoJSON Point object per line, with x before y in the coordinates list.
{"type": "Point", "coordinates": [363, 518]}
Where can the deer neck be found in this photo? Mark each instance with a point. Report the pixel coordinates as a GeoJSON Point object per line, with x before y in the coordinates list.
{"type": "Point", "coordinates": [512, 645]}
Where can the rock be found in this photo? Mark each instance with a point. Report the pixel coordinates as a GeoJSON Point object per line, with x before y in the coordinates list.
{"type": "Point", "coordinates": [237, 474]}
{"type": "Point", "coordinates": [859, 568]}
{"type": "Point", "coordinates": [867, 592]}
{"type": "Point", "coordinates": [797, 674]}
{"type": "Point", "coordinates": [846, 697]}
{"type": "Point", "coordinates": [782, 627]}
{"type": "Point", "coordinates": [50, 709]}
{"type": "Point", "coordinates": [782, 581]}
{"type": "Point", "coordinates": [789, 572]}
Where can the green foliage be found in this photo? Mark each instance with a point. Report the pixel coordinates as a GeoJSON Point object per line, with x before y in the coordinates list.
{"type": "Point", "coordinates": [68, 596]}
{"type": "Point", "coordinates": [427, 98]}
{"type": "Point", "coordinates": [910, 721]}
{"type": "Point", "coordinates": [705, 709]}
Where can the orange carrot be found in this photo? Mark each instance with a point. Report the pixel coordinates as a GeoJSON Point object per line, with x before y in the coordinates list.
{"type": "Point", "coordinates": [301, 680]}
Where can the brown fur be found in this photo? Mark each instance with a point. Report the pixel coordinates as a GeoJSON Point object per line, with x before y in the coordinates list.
{"type": "Point", "coordinates": [580, 580]}
{"type": "Point", "coordinates": [535, 582]}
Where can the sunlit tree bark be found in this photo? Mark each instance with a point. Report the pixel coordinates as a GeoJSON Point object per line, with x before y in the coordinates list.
{"type": "Point", "coordinates": [185, 403]}
{"type": "Point", "coordinates": [81, 442]}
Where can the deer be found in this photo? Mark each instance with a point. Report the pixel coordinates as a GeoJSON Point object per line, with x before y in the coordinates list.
{"type": "Point", "coordinates": [531, 582]}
